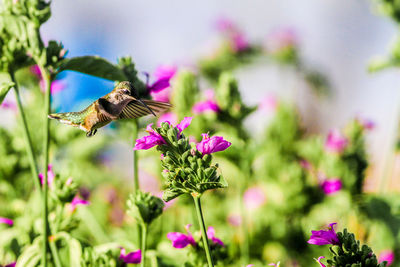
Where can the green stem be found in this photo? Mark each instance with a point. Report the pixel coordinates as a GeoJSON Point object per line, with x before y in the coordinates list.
{"type": "Point", "coordinates": [27, 137]}
{"type": "Point", "coordinates": [242, 187]}
{"type": "Point", "coordinates": [144, 242]}
{"type": "Point", "coordinates": [46, 142]}
{"type": "Point", "coordinates": [203, 230]}
{"type": "Point", "coordinates": [135, 132]}
{"type": "Point", "coordinates": [56, 257]}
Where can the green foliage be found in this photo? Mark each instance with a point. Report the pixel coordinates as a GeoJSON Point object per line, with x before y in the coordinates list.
{"type": "Point", "coordinates": [144, 207]}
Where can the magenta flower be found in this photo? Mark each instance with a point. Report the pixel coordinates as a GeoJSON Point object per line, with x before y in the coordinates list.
{"type": "Point", "coordinates": [169, 117]}
{"type": "Point", "coordinates": [56, 86]}
{"type": "Point", "coordinates": [239, 42]}
{"type": "Point", "coordinates": [50, 176]}
{"type": "Point", "coordinates": [211, 145]}
{"type": "Point", "coordinates": [319, 261]}
{"type": "Point", "coordinates": [180, 240]}
{"type": "Point", "coordinates": [324, 237]}
{"type": "Point", "coordinates": [234, 220]}
{"type": "Point", "coordinates": [254, 197]}
{"type": "Point", "coordinates": [162, 96]}
{"type": "Point", "coordinates": [131, 257]}
{"type": "Point", "coordinates": [184, 124]}
{"type": "Point", "coordinates": [148, 141]}
{"type": "Point", "coordinates": [204, 106]}
{"type": "Point", "coordinates": [13, 264]}
{"type": "Point", "coordinates": [331, 186]}
{"type": "Point", "coordinates": [163, 74]}
{"type": "Point", "coordinates": [76, 202]}
{"type": "Point", "coordinates": [211, 235]}
{"type": "Point", "coordinates": [9, 105]}
{"type": "Point", "coordinates": [281, 39]}
{"type": "Point", "coordinates": [224, 24]}
{"type": "Point", "coordinates": [335, 142]}
{"type": "Point", "coordinates": [4, 220]}
{"type": "Point", "coordinates": [386, 255]}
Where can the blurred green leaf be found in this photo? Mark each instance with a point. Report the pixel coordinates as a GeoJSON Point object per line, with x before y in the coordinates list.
{"type": "Point", "coordinates": [95, 66]}
{"type": "Point", "coordinates": [5, 85]}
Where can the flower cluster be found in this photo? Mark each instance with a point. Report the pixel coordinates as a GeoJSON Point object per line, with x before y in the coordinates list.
{"type": "Point", "coordinates": [187, 169]}
{"type": "Point", "coordinates": [181, 240]}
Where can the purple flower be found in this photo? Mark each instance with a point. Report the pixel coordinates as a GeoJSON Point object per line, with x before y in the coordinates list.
{"type": "Point", "coordinates": [148, 141]}
{"type": "Point", "coordinates": [56, 86]}
{"type": "Point", "coordinates": [77, 201]}
{"type": "Point", "coordinates": [13, 264]}
{"type": "Point", "coordinates": [275, 264]}
{"type": "Point", "coordinates": [4, 220]}
{"type": "Point", "coordinates": [324, 237]}
{"type": "Point", "coordinates": [211, 235]}
{"type": "Point", "coordinates": [239, 42]}
{"type": "Point", "coordinates": [50, 176]}
{"type": "Point", "coordinates": [9, 105]}
{"type": "Point", "coordinates": [169, 117]}
{"type": "Point", "coordinates": [184, 124]}
{"type": "Point", "coordinates": [335, 142]}
{"type": "Point", "coordinates": [180, 240]}
{"type": "Point", "coordinates": [331, 186]}
{"type": "Point", "coordinates": [131, 257]}
{"type": "Point", "coordinates": [386, 255]}
{"type": "Point", "coordinates": [204, 106]}
{"type": "Point", "coordinates": [211, 145]}
{"type": "Point", "coordinates": [254, 197]}
{"type": "Point", "coordinates": [163, 75]}
{"type": "Point", "coordinates": [319, 261]}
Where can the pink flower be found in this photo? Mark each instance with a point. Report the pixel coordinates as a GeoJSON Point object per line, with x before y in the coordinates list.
{"type": "Point", "coordinates": [366, 123]}
{"type": "Point", "coordinates": [131, 257]}
{"type": "Point", "coordinates": [335, 142]}
{"type": "Point", "coordinates": [331, 186]}
{"type": "Point", "coordinates": [211, 235]}
{"type": "Point", "coordinates": [269, 103]}
{"type": "Point", "coordinates": [211, 145]}
{"type": "Point", "coordinates": [282, 38]}
{"type": "Point", "coordinates": [9, 105]}
{"type": "Point", "coordinates": [180, 240]}
{"type": "Point", "coordinates": [184, 124]}
{"type": "Point", "coordinates": [254, 198]}
{"type": "Point", "coordinates": [324, 237]}
{"type": "Point", "coordinates": [237, 39]}
{"type": "Point", "coordinates": [239, 42]}
{"type": "Point", "coordinates": [56, 86]}
{"type": "Point", "coordinates": [162, 96]}
{"type": "Point", "coordinates": [50, 176]}
{"type": "Point", "coordinates": [148, 141]}
{"type": "Point", "coordinates": [163, 74]}
{"type": "Point", "coordinates": [275, 264]}
{"type": "Point", "coordinates": [77, 201]}
{"type": "Point", "coordinates": [4, 220]}
{"type": "Point", "coordinates": [169, 117]}
{"type": "Point", "coordinates": [305, 164]}
{"type": "Point", "coordinates": [13, 264]}
{"type": "Point", "coordinates": [224, 24]}
{"type": "Point", "coordinates": [386, 255]}
{"type": "Point", "coordinates": [234, 220]}
{"type": "Point", "coordinates": [319, 261]}
{"type": "Point", "coordinates": [36, 71]}
{"type": "Point", "coordinates": [204, 106]}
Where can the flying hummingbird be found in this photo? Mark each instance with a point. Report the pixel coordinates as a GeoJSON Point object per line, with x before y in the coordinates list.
{"type": "Point", "coordinates": [121, 103]}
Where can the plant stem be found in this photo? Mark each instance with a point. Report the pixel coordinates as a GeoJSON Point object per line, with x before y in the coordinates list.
{"type": "Point", "coordinates": [135, 132]}
{"type": "Point", "coordinates": [46, 142]}
{"type": "Point", "coordinates": [27, 137]}
{"type": "Point", "coordinates": [242, 187]}
{"type": "Point", "coordinates": [56, 257]}
{"type": "Point", "coordinates": [143, 247]}
{"type": "Point", "coordinates": [203, 230]}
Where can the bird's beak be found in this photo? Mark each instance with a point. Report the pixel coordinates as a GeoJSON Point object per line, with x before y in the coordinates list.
{"type": "Point", "coordinates": [144, 104]}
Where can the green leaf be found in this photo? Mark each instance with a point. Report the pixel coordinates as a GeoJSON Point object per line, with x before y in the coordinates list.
{"type": "Point", "coordinates": [31, 255]}
{"type": "Point", "coordinates": [95, 66]}
{"type": "Point", "coordinates": [170, 194]}
{"type": "Point", "coordinates": [75, 252]}
{"type": "Point", "coordinates": [5, 85]}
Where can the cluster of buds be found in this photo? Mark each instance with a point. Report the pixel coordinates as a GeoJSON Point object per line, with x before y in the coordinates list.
{"type": "Point", "coordinates": [186, 168]}
{"type": "Point", "coordinates": [145, 207]}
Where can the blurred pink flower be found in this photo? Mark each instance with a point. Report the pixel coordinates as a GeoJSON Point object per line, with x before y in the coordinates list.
{"type": "Point", "coordinates": [211, 235]}
{"type": "Point", "coordinates": [324, 237]}
{"type": "Point", "coordinates": [282, 38]}
{"type": "Point", "coordinates": [180, 240]}
{"type": "Point", "coordinates": [9, 105]}
{"type": "Point", "coordinates": [56, 86]}
{"type": "Point", "coordinates": [319, 261]}
{"type": "Point", "coordinates": [184, 124]}
{"type": "Point", "coordinates": [13, 264]}
{"type": "Point", "coordinates": [305, 164]}
{"type": "Point", "coordinates": [211, 145]}
{"type": "Point", "coordinates": [237, 39]}
{"type": "Point", "coordinates": [269, 103]}
{"type": "Point", "coordinates": [162, 96]}
{"type": "Point", "coordinates": [50, 176]}
{"type": "Point", "coordinates": [335, 142]}
{"type": "Point", "coordinates": [131, 257]}
{"type": "Point", "coordinates": [4, 220]}
{"type": "Point", "coordinates": [254, 197]}
{"type": "Point", "coordinates": [163, 76]}
{"type": "Point", "coordinates": [204, 106]}
{"type": "Point", "coordinates": [234, 219]}
{"type": "Point", "coordinates": [366, 123]}
{"type": "Point", "coordinates": [275, 264]}
{"type": "Point", "coordinates": [331, 186]}
{"type": "Point", "coordinates": [168, 117]}
{"type": "Point", "coordinates": [224, 24]}
{"type": "Point", "coordinates": [387, 255]}
{"type": "Point", "coordinates": [77, 201]}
